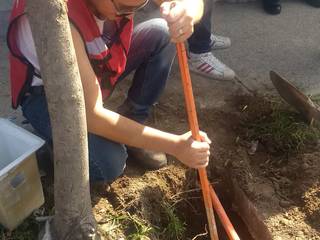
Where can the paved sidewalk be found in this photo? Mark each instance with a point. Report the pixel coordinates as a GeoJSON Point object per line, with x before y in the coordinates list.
{"type": "Point", "coordinates": [288, 43]}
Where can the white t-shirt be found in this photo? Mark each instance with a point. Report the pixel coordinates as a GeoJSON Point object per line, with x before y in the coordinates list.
{"type": "Point", "coordinates": [25, 43]}
{"type": "Point", "coordinates": [26, 46]}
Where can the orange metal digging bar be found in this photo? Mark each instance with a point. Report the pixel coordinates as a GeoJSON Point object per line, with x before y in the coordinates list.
{"type": "Point", "coordinates": [231, 232]}
{"type": "Point", "coordinates": [193, 122]}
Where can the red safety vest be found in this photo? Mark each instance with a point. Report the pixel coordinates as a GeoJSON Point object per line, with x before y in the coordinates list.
{"type": "Point", "coordinates": [107, 61]}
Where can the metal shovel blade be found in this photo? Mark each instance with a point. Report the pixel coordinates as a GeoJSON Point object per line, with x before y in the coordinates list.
{"type": "Point", "coordinates": [295, 98]}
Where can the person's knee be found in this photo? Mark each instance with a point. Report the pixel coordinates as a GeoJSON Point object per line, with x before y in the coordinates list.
{"type": "Point", "coordinates": [108, 168]}
{"type": "Point", "coordinates": [160, 28]}
{"type": "Point", "coordinates": [117, 167]}
{"type": "Point", "coordinates": [159, 31]}
{"type": "Point", "coordinates": [107, 159]}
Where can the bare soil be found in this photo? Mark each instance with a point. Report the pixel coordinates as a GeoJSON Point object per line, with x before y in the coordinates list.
{"type": "Point", "coordinates": [267, 195]}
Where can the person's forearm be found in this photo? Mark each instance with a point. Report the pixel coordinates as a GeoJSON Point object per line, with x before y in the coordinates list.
{"type": "Point", "coordinates": [115, 127]}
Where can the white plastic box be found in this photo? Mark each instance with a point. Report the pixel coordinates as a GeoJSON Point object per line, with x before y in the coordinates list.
{"type": "Point", "coordinates": [20, 185]}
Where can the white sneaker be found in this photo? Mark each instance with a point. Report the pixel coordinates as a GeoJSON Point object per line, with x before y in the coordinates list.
{"type": "Point", "coordinates": [208, 65]}
{"type": "Point", "coordinates": [220, 42]}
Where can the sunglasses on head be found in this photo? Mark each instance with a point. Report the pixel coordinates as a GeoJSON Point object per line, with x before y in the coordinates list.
{"type": "Point", "coordinates": [125, 10]}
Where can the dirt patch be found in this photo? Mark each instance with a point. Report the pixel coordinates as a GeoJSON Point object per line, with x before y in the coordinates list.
{"type": "Point", "coordinates": [275, 194]}
{"type": "Point", "coordinates": [283, 185]}
{"type": "Point", "coordinates": [267, 194]}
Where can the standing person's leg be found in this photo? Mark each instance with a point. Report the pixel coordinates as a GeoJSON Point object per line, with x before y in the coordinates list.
{"type": "Point", "coordinates": [151, 54]}
{"type": "Point", "coordinates": [107, 159]}
{"type": "Point", "coordinates": [202, 42]}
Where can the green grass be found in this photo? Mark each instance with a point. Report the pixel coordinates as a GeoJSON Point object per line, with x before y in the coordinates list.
{"type": "Point", "coordinates": [133, 226]}
{"type": "Point", "coordinates": [175, 228]}
{"type": "Point", "coordinates": [142, 229]}
{"type": "Point", "coordinates": [280, 128]}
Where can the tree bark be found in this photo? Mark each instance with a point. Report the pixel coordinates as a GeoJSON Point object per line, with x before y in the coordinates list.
{"type": "Point", "coordinates": [59, 70]}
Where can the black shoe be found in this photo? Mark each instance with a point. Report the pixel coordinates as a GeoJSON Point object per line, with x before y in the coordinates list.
{"type": "Point", "coordinates": [272, 8]}
{"type": "Point", "coordinates": [147, 159]}
{"type": "Point", "coordinates": [314, 3]}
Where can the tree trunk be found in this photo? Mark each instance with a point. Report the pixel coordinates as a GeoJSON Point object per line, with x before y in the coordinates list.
{"type": "Point", "coordinates": [60, 73]}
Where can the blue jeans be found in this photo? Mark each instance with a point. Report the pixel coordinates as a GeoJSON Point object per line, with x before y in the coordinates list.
{"type": "Point", "coordinates": [200, 41]}
{"type": "Point", "coordinates": [151, 54]}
